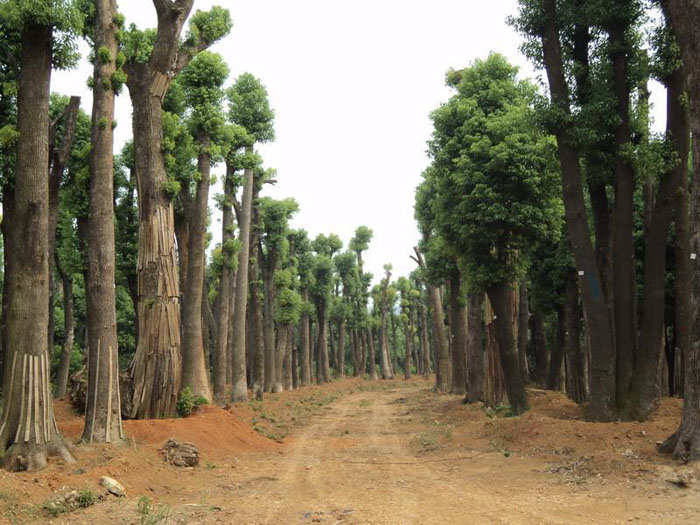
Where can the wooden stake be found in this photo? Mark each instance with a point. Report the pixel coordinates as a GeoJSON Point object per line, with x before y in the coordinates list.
{"type": "Point", "coordinates": [94, 399]}
{"type": "Point", "coordinates": [109, 399]}
{"type": "Point", "coordinates": [30, 392]}
{"type": "Point", "coordinates": [8, 404]}
{"type": "Point", "coordinates": [35, 358]}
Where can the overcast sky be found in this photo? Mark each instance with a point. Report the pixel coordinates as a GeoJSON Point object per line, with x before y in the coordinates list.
{"type": "Point", "coordinates": [352, 84]}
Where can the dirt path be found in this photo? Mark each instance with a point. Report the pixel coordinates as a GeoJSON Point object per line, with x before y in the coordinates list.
{"type": "Point", "coordinates": [381, 452]}
{"type": "Point", "coordinates": [360, 461]}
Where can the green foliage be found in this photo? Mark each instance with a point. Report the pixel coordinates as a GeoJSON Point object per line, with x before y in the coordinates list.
{"type": "Point", "coordinates": [250, 108]}
{"type": "Point", "coordinates": [208, 27]}
{"type": "Point", "coordinates": [202, 82]}
{"type": "Point", "coordinates": [360, 242]}
{"type": "Point", "coordinates": [137, 44]}
{"type": "Point", "coordinates": [64, 16]}
{"type": "Point", "coordinates": [188, 402]}
{"type": "Point", "coordinates": [494, 176]}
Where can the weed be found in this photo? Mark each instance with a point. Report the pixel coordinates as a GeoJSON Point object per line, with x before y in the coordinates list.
{"type": "Point", "coordinates": [189, 403]}
{"type": "Point", "coordinates": [152, 514]}
{"type": "Point", "coordinates": [499, 410]}
{"type": "Point", "coordinates": [365, 402]}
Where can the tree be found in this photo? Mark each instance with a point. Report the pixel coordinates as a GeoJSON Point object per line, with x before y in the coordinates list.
{"type": "Point", "coordinates": [28, 431]}
{"type": "Point", "coordinates": [275, 216]}
{"type": "Point", "coordinates": [384, 297]}
{"type": "Point", "coordinates": [433, 267]}
{"type": "Point", "coordinates": [202, 80]}
{"type": "Point", "coordinates": [249, 108]}
{"type": "Point", "coordinates": [684, 16]}
{"type": "Point", "coordinates": [496, 190]}
{"type": "Point", "coordinates": [103, 411]}
{"type": "Point", "coordinates": [153, 59]}
{"type": "Point", "coordinates": [590, 114]}
{"type": "Point", "coordinates": [345, 267]}
{"type": "Point", "coordinates": [322, 272]}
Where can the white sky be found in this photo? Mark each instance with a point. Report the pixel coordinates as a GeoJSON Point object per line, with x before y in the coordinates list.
{"type": "Point", "coordinates": [352, 85]}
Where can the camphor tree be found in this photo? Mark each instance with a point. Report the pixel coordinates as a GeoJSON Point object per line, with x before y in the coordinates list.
{"type": "Point", "coordinates": [202, 80]}
{"type": "Point", "coordinates": [325, 247]}
{"type": "Point", "coordinates": [153, 58]}
{"type": "Point", "coordinates": [684, 17]}
{"type": "Point", "coordinates": [28, 431]}
{"type": "Point", "coordinates": [275, 215]}
{"type": "Point", "coordinates": [597, 41]}
{"type": "Point", "coordinates": [250, 109]}
{"type": "Point", "coordinates": [345, 266]}
{"type": "Point", "coordinates": [433, 260]}
{"type": "Point", "coordinates": [103, 412]}
{"type": "Point", "coordinates": [497, 190]}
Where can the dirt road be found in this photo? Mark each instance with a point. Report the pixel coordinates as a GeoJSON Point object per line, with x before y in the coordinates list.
{"type": "Point", "coordinates": [362, 461]}
{"type": "Point", "coordinates": [379, 452]}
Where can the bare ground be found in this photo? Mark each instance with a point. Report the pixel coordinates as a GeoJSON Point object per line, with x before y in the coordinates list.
{"type": "Point", "coordinates": [390, 452]}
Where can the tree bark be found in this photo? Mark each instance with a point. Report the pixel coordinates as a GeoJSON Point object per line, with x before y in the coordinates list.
{"type": "Point", "coordinates": [69, 331]}
{"type": "Point", "coordinates": [501, 300]}
{"type": "Point", "coordinates": [575, 355]}
{"type": "Point", "coordinates": [685, 18]}
{"type": "Point", "coordinates": [240, 388]}
{"type": "Point", "coordinates": [598, 318]}
{"type": "Point", "coordinates": [194, 372]}
{"type": "Point", "coordinates": [28, 431]}
{"type": "Point", "coordinates": [103, 411]}
{"type": "Point", "coordinates": [553, 381]}
{"type": "Point", "coordinates": [475, 352]}
{"type": "Point", "coordinates": [425, 346]}
{"type": "Point", "coordinates": [341, 349]}
{"type": "Point", "coordinates": [156, 369]}
{"type": "Point", "coordinates": [223, 314]}
{"type": "Point", "coordinates": [644, 390]}
{"type": "Point", "coordinates": [305, 343]}
{"type": "Point", "coordinates": [523, 323]}
{"type": "Point", "coordinates": [259, 369]}
{"type": "Point", "coordinates": [370, 354]}
{"type": "Point", "coordinates": [59, 159]}
{"type": "Point", "coordinates": [459, 340]}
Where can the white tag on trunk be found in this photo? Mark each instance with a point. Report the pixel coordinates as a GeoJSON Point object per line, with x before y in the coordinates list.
{"type": "Point", "coordinates": [580, 273]}
{"type": "Point", "coordinates": [693, 256]}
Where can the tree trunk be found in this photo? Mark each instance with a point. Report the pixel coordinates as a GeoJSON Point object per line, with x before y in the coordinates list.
{"type": "Point", "coordinates": [269, 295]}
{"type": "Point", "coordinates": [28, 431]}
{"type": "Point", "coordinates": [279, 356]}
{"type": "Point", "coordinates": [475, 352]}
{"type": "Point", "coordinates": [59, 157]}
{"type": "Point", "coordinates": [425, 346]}
{"type": "Point", "coordinates": [156, 368]}
{"type": "Point", "coordinates": [194, 373]}
{"type": "Point", "coordinates": [69, 330]}
{"type": "Point", "coordinates": [539, 350]}
{"type": "Point", "coordinates": [296, 350]}
{"type": "Point", "coordinates": [223, 314]}
{"type": "Point", "coordinates": [370, 354]}
{"type": "Point", "coordinates": [598, 318]}
{"type": "Point", "coordinates": [575, 355]}
{"type": "Point", "coordinates": [240, 388]}
{"type": "Point", "coordinates": [501, 300]}
{"type": "Point", "coordinates": [494, 390]}
{"type": "Point", "coordinates": [305, 343]}
{"type": "Point", "coordinates": [459, 340]}
{"type": "Point", "coordinates": [644, 390]}
{"type": "Point", "coordinates": [685, 18]}
{"type": "Point", "coordinates": [384, 344]}
{"type": "Point", "coordinates": [523, 323]}
{"type": "Point", "coordinates": [103, 411]}
{"type": "Point", "coordinates": [553, 381]}
{"type": "Point", "coordinates": [341, 348]}
{"type": "Point", "coordinates": [624, 286]}
{"type": "Point", "coordinates": [409, 351]}
{"type": "Point", "coordinates": [259, 369]}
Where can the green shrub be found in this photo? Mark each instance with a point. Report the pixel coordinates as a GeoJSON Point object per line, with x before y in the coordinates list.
{"type": "Point", "coordinates": [189, 403]}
